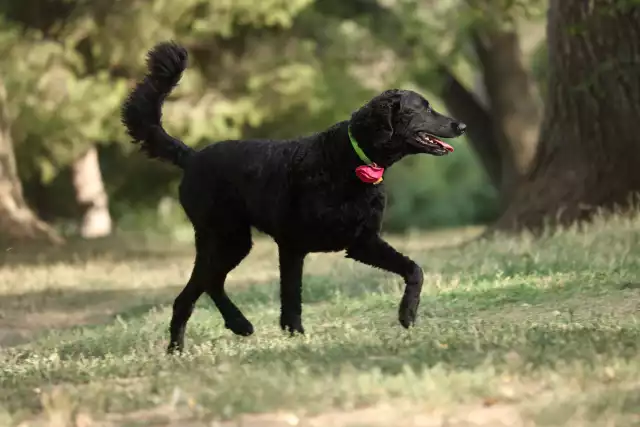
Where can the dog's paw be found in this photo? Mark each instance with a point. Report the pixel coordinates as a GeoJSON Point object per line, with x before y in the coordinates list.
{"type": "Point", "coordinates": [239, 326]}
{"type": "Point", "coordinates": [291, 323]}
{"type": "Point", "coordinates": [175, 347]}
{"type": "Point", "coordinates": [408, 311]}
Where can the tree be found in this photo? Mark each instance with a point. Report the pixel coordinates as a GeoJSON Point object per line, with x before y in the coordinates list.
{"type": "Point", "coordinates": [273, 68]}
{"type": "Point", "coordinates": [17, 220]}
{"type": "Point", "coordinates": [91, 196]}
{"type": "Point", "coordinates": [588, 154]}
{"type": "Point", "coordinates": [68, 64]}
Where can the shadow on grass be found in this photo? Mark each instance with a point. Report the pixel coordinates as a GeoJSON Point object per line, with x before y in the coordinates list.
{"type": "Point", "coordinates": [455, 344]}
{"type": "Point", "coordinates": [102, 306]}
{"type": "Point", "coordinates": [78, 251]}
{"type": "Point", "coordinates": [456, 337]}
{"type": "Point", "coordinates": [439, 313]}
{"type": "Point", "coordinates": [457, 347]}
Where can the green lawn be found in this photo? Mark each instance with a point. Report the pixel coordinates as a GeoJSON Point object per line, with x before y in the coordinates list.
{"type": "Point", "coordinates": [511, 332]}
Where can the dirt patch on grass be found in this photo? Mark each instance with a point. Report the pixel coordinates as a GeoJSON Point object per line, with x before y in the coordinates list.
{"type": "Point", "coordinates": [387, 415]}
{"type": "Point", "coordinates": [499, 415]}
{"type": "Point", "coordinates": [24, 316]}
{"type": "Point", "coordinates": [525, 411]}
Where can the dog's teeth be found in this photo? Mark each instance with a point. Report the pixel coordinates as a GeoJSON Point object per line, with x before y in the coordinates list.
{"type": "Point", "coordinates": [426, 139]}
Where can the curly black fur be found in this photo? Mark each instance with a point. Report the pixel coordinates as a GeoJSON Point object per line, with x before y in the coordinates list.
{"type": "Point", "coordinates": [302, 192]}
{"type": "Point", "coordinates": [142, 111]}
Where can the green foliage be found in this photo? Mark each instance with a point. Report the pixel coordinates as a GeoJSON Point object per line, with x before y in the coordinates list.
{"type": "Point", "coordinates": [274, 68]}
{"type": "Point", "coordinates": [81, 62]}
{"type": "Point", "coordinates": [433, 192]}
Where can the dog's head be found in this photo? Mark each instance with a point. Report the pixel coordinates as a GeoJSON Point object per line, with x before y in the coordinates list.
{"type": "Point", "coordinates": [397, 123]}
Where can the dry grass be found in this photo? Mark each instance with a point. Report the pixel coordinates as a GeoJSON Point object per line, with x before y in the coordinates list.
{"type": "Point", "coordinates": [512, 332]}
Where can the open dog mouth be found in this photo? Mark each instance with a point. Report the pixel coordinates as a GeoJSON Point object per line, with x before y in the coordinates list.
{"type": "Point", "coordinates": [433, 143]}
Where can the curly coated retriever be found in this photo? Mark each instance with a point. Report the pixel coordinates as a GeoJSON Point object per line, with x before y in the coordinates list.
{"type": "Point", "coordinates": [318, 193]}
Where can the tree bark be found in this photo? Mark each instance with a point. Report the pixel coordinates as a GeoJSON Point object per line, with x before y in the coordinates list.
{"type": "Point", "coordinates": [91, 195]}
{"type": "Point", "coordinates": [515, 110]}
{"type": "Point", "coordinates": [18, 223]}
{"type": "Point", "coordinates": [464, 105]}
{"type": "Point", "coordinates": [588, 153]}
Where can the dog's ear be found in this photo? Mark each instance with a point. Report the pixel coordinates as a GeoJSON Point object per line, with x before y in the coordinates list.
{"type": "Point", "coordinates": [376, 120]}
{"type": "Point", "coordinates": [391, 101]}
{"type": "Point", "coordinates": [396, 106]}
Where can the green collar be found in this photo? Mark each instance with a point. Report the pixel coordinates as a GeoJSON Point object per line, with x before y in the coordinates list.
{"type": "Point", "coordinates": [357, 148]}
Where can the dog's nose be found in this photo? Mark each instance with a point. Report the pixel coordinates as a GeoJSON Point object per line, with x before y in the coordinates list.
{"type": "Point", "coordinates": [459, 127]}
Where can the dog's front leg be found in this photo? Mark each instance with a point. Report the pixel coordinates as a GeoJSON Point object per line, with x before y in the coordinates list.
{"type": "Point", "coordinates": [374, 251]}
{"type": "Point", "coordinates": [291, 265]}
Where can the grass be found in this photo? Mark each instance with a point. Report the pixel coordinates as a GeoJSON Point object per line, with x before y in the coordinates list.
{"type": "Point", "coordinates": [511, 332]}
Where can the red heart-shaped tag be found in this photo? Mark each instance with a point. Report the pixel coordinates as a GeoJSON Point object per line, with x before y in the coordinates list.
{"type": "Point", "coordinates": [371, 174]}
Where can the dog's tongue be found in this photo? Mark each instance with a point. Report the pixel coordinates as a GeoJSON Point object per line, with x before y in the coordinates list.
{"type": "Point", "coordinates": [446, 146]}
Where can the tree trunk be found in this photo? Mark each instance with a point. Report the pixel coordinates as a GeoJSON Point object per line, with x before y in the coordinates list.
{"type": "Point", "coordinates": [589, 152]}
{"type": "Point", "coordinates": [465, 106]}
{"type": "Point", "coordinates": [91, 195]}
{"type": "Point", "coordinates": [503, 133]}
{"type": "Point", "coordinates": [515, 109]}
{"type": "Point", "coordinates": [18, 223]}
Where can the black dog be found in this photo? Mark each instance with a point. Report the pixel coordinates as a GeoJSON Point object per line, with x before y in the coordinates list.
{"type": "Point", "coordinates": [318, 193]}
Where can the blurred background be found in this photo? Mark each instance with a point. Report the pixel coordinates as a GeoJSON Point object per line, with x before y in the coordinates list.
{"type": "Point", "coordinates": [513, 330]}
{"type": "Point", "coordinates": [268, 68]}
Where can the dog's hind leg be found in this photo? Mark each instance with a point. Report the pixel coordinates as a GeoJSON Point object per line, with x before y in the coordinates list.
{"type": "Point", "coordinates": [186, 300]}
{"type": "Point", "coordinates": [216, 255]}
{"type": "Point", "coordinates": [225, 250]}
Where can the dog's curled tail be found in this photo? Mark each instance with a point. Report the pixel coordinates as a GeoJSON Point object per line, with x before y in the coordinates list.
{"type": "Point", "coordinates": [142, 110]}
